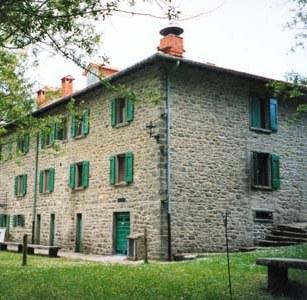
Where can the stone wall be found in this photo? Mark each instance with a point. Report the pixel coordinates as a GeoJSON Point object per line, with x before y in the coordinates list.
{"type": "Point", "coordinates": [98, 202]}
{"type": "Point", "coordinates": [211, 154]}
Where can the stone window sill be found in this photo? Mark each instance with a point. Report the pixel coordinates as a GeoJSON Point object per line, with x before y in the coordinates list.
{"type": "Point", "coordinates": [123, 183]}
{"type": "Point", "coordinates": [263, 130]}
{"type": "Point", "coordinates": [263, 220]}
{"type": "Point", "coordinates": [121, 125]}
{"type": "Point", "coordinates": [79, 188]}
{"type": "Point", "coordinates": [262, 187]}
{"type": "Point", "coordinates": [78, 137]}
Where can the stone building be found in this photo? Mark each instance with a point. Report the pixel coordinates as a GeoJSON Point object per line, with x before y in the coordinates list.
{"type": "Point", "coordinates": [175, 149]}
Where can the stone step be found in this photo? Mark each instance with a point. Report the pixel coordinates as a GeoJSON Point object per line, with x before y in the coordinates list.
{"type": "Point", "coordinates": [266, 243]}
{"type": "Point", "coordinates": [272, 237]}
{"type": "Point", "coordinates": [291, 228]}
{"type": "Point", "coordinates": [288, 233]}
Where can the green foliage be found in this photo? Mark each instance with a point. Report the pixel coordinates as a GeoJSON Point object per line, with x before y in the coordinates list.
{"type": "Point", "coordinates": [202, 279]}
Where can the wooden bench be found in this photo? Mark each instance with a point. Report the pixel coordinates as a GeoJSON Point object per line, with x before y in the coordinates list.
{"type": "Point", "coordinates": [278, 271]}
{"type": "Point", "coordinates": [52, 250]}
{"type": "Point", "coordinates": [4, 245]}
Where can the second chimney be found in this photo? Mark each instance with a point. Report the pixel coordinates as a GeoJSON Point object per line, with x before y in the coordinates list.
{"type": "Point", "coordinates": [67, 85]}
{"type": "Point", "coordinates": [172, 43]}
{"type": "Point", "coordinates": [41, 98]}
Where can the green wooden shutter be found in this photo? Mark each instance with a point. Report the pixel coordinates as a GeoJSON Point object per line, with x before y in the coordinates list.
{"type": "Point", "coordinates": [14, 220]}
{"type": "Point", "coordinates": [2, 221]}
{"type": "Point", "coordinates": [255, 168]}
{"type": "Point", "coordinates": [273, 114]}
{"type": "Point", "coordinates": [24, 185]}
{"type": "Point", "coordinates": [113, 113]}
{"type": "Point", "coordinates": [42, 138]}
{"type": "Point", "coordinates": [255, 112]}
{"type": "Point", "coordinates": [112, 171]}
{"type": "Point", "coordinates": [129, 167]}
{"type": "Point", "coordinates": [52, 135]}
{"type": "Point", "coordinates": [73, 128]}
{"type": "Point", "coordinates": [275, 171]}
{"type": "Point", "coordinates": [51, 179]}
{"type": "Point", "coordinates": [41, 181]}
{"type": "Point", "coordinates": [8, 219]}
{"type": "Point", "coordinates": [22, 220]}
{"type": "Point", "coordinates": [72, 176]}
{"type": "Point", "coordinates": [85, 121]}
{"type": "Point", "coordinates": [26, 143]}
{"type": "Point", "coordinates": [16, 186]}
{"type": "Point", "coordinates": [129, 110]}
{"type": "Point", "coordinates": [85, 173]}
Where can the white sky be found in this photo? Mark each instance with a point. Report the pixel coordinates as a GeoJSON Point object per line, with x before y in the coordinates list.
{"type": "Point", "coordinates": [245, 35]}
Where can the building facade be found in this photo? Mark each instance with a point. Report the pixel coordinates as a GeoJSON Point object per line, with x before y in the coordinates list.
{"type": "Point", "coordinates": [194, 142]}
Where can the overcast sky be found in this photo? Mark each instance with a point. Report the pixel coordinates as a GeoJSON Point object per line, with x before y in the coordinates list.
{"type": "Point", "coordinates": [245, 35]}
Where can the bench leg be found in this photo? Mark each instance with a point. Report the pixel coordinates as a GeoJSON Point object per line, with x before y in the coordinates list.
{"type": "Point", "coordinates": [277, 279]}
{"type": "Point", "coordinates": [53, 252]}
{"type": "Point", "coordinates": [30, 250]}
{"type": "Point", "coordinates": [3, 247]}
{"type": "Point", "coordinates": [19, 248]}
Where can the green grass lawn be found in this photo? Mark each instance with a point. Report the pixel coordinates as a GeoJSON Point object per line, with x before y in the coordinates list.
{"type": "Point", "coordinates": [44, 278]}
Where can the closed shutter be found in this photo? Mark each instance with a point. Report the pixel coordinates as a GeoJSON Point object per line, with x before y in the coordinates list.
{"type": "Point", "coordinates": [255, 112]}
{"type": "Point", "coordinates": [113, 113]}
{"type": "Point", "coordinates": [14, 220]}
{"type": "Point", "coordinates": [22, 220]}
{"type": "Point", "coordinates": [72, 176]}
{"type": "Point", "coordinates": [273, 114]}
{"type": "Point", "coordinates": [41, 181]}
{"type": "Point", "coordinates": [255, 168]}
{"type": "Point", "coordinates": [85, 121]}
{"type": "Point", "coordinates": [8, 219]}
{"type": "Point", "coordinates": [112, 172]}
{"type": "Point", "coordinates": [2, 221]}
{"type": "Point", "coordinates": [85, 173]}
{"type": "Point", "coordinates": [129, 110]}
{"type": "Point", "coordinates": [275, 171]}
{"type": "Point", "coordinates": [42, 138]}
{"type": "Point", "coordinates": [26, 143]}
{"type": "Point", "coordinates": [52, 134]}
{"type": "Point", "coordinates": [129, 167]}
{"type": "Point", "coordinates": [73, 128]}
{"type": "Point", "coordinates": [51, 179]}
{"type": "Point", "coordinates": [16, 186]}
{"type": "Point", "coordinates": [24, 185]}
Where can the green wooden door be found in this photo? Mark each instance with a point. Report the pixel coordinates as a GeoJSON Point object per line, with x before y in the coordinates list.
{"type": "Point", "coordinates": [78, 246]}
{"type": "Point", "coordinates": [52, 230]}
{"type": "Point", "coordinates": [38, 229]}
{"type": "Point", "coordinates": [121, 233]}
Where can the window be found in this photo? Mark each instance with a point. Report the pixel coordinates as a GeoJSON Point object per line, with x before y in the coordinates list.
{"type": "Point", "coordinates": [79, 175]}
{"type": "Point", "coordinates": [263, 216]}
{"type": "Point", "coordinates": [48, 136]}
{"type": "Point", "coordinates": [18, 220]}
{"type": "Point", "coordinates": [61, 130]}
{"type": "Point", "coordinates": [80, 124]}
{"type": "Point", "coordinates": [4, 221]}
{"type": "Point", "coordinates": [23, 144]}
{"type": "Point", "coordinates": [46, 181]}
{"type": "Point", "coordinates": [121, 168]}
{"type": "Point", "coordinates": [264, 114]}
{"type": "Point", "coordinates": [20, 185]}
{"type": "Point", "coordinates": [265, 170]}
{"type": "Point", "coordinates": [122, 111]}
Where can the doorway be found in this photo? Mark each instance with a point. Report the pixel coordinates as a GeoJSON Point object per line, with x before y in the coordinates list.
{"type": "Point", "coordinates": [122, 231]}
{"type": "Point", "coordinates": [78, 246]}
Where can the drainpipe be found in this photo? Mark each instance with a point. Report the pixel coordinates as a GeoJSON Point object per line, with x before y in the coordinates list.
{"type": "Point", "coordinates": [168, 142]}
{"type": "Point", "coordinates": [35, 188]}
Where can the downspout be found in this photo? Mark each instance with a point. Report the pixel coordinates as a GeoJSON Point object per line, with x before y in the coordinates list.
{"type": "Point", "coordinates": [168, 142]}
{"type": "Point", "coordinates": [35, 188]}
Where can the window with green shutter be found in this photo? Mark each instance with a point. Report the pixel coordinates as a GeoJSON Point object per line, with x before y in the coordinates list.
{"type": "Point", "coordinates": [48, 136]}
{"type": "Point", "coordinates": [121, 169]}
{"type": "Point", "coordinates": [263, 114]}
{"type": "Point", "coordinates": [23, 144]}
{"type": "Point", "coordinates": [46, 180]}
{"type": "Point", "coordinates": [122, 111]}
{"type": "Point", "coordinates": [18, 220]}
{"type": "Point", "coordinates": [79, 175]}
{"type": "Point", "coordinates": [265, 171]}
{"type": "Point", "coordinates": [61, 129]}
{"type": "Point", "coordinates": [80, 124]}
{"type": "Point", "coordinates": [20, 185]}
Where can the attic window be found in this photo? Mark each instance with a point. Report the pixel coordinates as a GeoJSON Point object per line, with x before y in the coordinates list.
{"type": "Point", "coordinates": [263, 216]}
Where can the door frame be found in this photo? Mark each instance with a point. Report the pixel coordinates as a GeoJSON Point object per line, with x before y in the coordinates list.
{"type": "Point", "coordinates": [52, 230]}
{"type": "Point", "coordinates": [38, 229]}
{"type": "Point", "coordinates": [79, 233]}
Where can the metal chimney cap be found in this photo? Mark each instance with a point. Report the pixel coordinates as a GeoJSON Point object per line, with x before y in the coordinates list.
{"type": "Point", "coordinates": [172, 28]}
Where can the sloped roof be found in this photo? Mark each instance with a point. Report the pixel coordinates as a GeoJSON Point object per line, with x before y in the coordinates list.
{"type": "Point", "coordinates": [157, 57]}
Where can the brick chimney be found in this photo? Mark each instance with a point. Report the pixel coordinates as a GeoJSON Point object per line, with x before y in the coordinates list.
{"type": "Point", "coordinates": [172, 43]}
{"type": "Point", "coordinates": [67, 85]}
{"type": "Point", "coordinates": [41, 98]}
